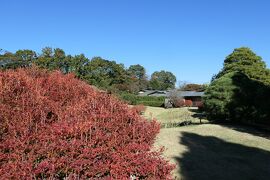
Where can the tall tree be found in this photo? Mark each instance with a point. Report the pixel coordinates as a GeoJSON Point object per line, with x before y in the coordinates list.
{"type": "Point", "coordinates": [45, 60]}
{"type": "Point", "coordinates": [54, 59]}
{"type": "Point", "coordinates": [22, 58]}
{"type": "Point", "coordinates": [162, 80]}
{"type": "Point", "coordinates": [8, 60]}
{"type": "Point", "coordinates": [47, 52]}
{"type": "Point", "coordinates": [59, 53]}
{"type": "Point", "coordinates": [60, 60]}
{"type": "Point", "coordinates": [138, 77]}
{"type": "Point", "coordinates": [77, 65]}
{"type": "Point", "coordinates": [104, 73]}
{"type": "Point", "coordinates": [137, 71]}
{"type": "Point", "coordinates": [26, 55]}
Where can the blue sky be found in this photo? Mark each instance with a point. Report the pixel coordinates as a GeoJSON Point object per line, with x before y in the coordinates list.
{"type": "Point", "coordinates": [190, 38]}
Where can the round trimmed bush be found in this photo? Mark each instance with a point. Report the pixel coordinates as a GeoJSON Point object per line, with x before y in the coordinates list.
{"type": "Point", "coordinates": [56, 126]}
{"type": "Point", "coordinates": [188, 103]}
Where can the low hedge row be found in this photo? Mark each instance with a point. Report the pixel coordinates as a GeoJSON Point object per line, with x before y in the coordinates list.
{"type": "Point", "coordinates": [151, 103]}
{"type": "Point", "coordinates": [133, 99]}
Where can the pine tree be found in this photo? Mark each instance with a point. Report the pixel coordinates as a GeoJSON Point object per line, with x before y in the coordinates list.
{"type": "Point", "coordinates": [241, 90]}
{"type": "Point", "coordinates": [244, 60]}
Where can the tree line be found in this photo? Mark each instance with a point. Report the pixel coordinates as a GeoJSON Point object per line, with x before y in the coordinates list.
{"type": "Point", "coordinates": [105, 74]}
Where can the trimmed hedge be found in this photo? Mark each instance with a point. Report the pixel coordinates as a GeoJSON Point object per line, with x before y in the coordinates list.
{"type": "Point", "coordinates": [152, 103]}
{"type": "Point", "coordinates": [145, 100]}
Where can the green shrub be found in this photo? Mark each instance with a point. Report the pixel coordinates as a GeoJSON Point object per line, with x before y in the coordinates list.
{"type": "Point", "coordinates": [133, 99]}
{"type": "Point", "coordinates": [236, 97]}
{"type": "Point", "coordinates": [218, 97]}
{"type": "Point", "coordinates": [241, 90]}
{"type": "Point", "coordinates": [152, 103]}
{"type": "Point", "coordinates": [129, 98]}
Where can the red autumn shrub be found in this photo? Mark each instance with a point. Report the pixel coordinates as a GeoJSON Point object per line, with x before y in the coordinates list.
{"type": "Point", "coordinates": [139, 108]}
{"type": "Point", "coordinates": [188, 103]}
{"type": "Point", "coordinates": [179, 103]}
{"type": "Point", "coordinates": [55, 126]}
{"type": "Point", "coordinates": [199, 104]}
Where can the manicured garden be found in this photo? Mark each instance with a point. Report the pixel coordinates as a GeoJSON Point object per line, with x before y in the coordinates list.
{"type": "Point", "coordinates": [173, 115]}
{"type": "Point", "coordinates": [57, 126]}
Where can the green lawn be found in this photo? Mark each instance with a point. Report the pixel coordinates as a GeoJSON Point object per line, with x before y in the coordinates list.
{"type": "Point", "coordinates": [172, 115]}
{"type": "Point", "coordinates": [211, 151]}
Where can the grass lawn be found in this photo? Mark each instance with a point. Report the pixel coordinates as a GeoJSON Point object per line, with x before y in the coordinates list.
{"type": "Point", "coordinates": [172, 115]}
{"type": "Point", "coordinates": [211, 151]}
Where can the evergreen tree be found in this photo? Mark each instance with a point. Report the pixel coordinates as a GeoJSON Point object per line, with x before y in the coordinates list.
{"type": "Point", "coordinates": [240, 91]}
{"type": "Point", "coordinates": [244, 60]}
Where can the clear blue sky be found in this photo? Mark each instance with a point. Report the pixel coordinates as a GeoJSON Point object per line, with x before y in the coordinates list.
{"type": "Point", "coordinates": [190, 38]}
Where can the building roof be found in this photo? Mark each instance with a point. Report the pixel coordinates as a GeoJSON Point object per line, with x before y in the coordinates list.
{"type": "Point", "coordinates": [153, 93]}
{"type": "Point", "coordinates": [158, 93]}
{"type": "Point", "coordinates": [189, 94]}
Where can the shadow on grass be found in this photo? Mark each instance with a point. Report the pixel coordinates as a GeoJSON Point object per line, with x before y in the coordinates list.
{"type": "Point", "coordinates": [195, 110]}
{"type": "Point", "coordinates": [256, 130]}
{"type": "Point", "coordinates": [209, 157]}
{"type": "Point", "coordinates": [262, 130]}
{"type": "Point", "coordinates": [197, 113]}
{"type": "Point", "coordinates": [183, 123]}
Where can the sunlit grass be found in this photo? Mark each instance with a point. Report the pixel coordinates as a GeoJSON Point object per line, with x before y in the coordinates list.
{"type": "Point", "coordinates": [172, 115]}
{"type": "Point", "coordinates": [213, 151]}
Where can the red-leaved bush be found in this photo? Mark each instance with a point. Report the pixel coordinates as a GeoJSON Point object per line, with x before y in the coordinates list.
{"type": "Point", "coordinates": [179, 103]}
{"type": "Point", "coordinates": [188, 103]}
{"type": "Point", "coordinates": [55, 126]}
{"type": "Point", "coordinates": [198, 104]}
{"type": "Point", "coordinates": [139, 108]}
